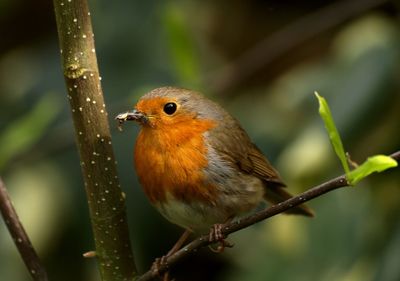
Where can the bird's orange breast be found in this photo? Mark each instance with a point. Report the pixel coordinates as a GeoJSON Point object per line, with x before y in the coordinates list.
{"type": "Point", "coordinates": [170, 160]}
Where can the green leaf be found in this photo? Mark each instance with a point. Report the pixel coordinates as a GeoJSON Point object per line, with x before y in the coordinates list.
{"type": "Point", "coordinates": [377, 163]}
{"type": "Point", "coordinates": [334, 136]}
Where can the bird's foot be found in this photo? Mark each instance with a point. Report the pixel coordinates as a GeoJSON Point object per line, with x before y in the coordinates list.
{"type": "Point", "coordinates": [216, 235]}
{"type": "Point", "coordinates": [163, 261]}
{"type": "Point", "coordinates": [157, 264]}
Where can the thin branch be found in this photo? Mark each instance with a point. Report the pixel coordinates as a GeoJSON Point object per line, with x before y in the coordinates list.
{"type": "Point", "coordinates": [105, 199]}
{"type": "Point", "coordinates": [286, 39]}
{"type": "Point", "coordinates": [21, 239]}
{"type": "Point", "coordinates": [250, 220]}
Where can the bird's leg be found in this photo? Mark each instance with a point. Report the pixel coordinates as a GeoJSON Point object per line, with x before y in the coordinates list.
{"type": "Point", "coordinates": [163, 260]}
{"type": "Point", "coordinates": [179, 243]}
{"type": "Point", "coordinates": [216, 235]}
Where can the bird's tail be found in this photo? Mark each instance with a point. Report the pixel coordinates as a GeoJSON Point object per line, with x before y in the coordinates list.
{"type": "Point", "coordinates": [277, 194]}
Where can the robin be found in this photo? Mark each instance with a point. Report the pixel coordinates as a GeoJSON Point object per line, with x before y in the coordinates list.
{"type": "Point", "coordinates": [196, 164]}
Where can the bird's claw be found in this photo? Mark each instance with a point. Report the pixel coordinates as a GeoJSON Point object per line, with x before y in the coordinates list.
{"type": "Point", "coordinates": [216, 235]}
{"type": "Point", "coordinates": [158, 263]}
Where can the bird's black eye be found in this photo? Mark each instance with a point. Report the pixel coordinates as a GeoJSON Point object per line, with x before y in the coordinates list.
{"type": "Point", "coordinates": [170, 108]}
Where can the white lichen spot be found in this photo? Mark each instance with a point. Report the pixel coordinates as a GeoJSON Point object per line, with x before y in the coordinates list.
{"type": "Point", "coordinates": [80, 133]}
{"type": "Point", "coordinates": [84, 36]}
{"type": "Point", "coordinates": [110, 182]}
{"type": "Point", "coordinates": [93, 101]}
{"type": "Point", "coordinates": [84, 77]}
{"type": "Point", "coordinates": [61, 51]}
{"type": "Point", "coordinates": [102, 140]}
{"type": "Point", "coordinates": [93, 162]}
{"type": "Point", "coordinates": [106, 191]}
{"type": "Point", "coordinates": [96, 213]}
{"type": "Point", "coordinates": [88, 99]}
{"type": "Point", "coordinates": [114, 209]}
{"type": "Point", "coordinates": [82, 163]}
{"type": "Point", "coordinates": [81, 53]}
{"type": "Point", "coordinates": [70, 1]}
{"type": "Point", "coordinates": [103, 199]}
{"type": "Point", "coordinates": [100, 78]}
{"type": "Point", "coordinates": [98, 135]}
{"type": "Point", "coordinates": [88, 121]}
{"type": "Point", "coordinates": [75, 20]}
{"type": "Point", "coordinates": [108, 158]}
{"type": "Point", "coordinates": [19, 240]}
{"type": "Point", "coordinates": [93, 50]}
{"type": "Point", "coordinates": [101, 111]}
{"type": "Point", "coordinates": [75, 86]}
{"type": "Point", "coordinates": [109, 142]}
{"type": "Point", "coordinates": [33, 271]}
{"type": "Point", "coordinates": [89, 176]}
{"type": "Point", "coordinates": [80, 109]}
{"type": "Point", "coordinates": [88, 13]}
{"type": "Point", "coordinates": [70, 89]}
{"type": "Point", "coordinates": [105, 169]}
{"type": "Point", "coordinates": [62, 4]}
{"type": "Point", "coordinates": [91, 74]}
{"type": "Point", "coordinates": [73, 110]}
{"type": "Point", "coordinates": [104, 105]}
{"type": "Point", "coordinates": [96, 184]}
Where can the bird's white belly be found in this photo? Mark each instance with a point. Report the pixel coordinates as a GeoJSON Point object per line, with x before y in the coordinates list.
{"type": "Point", "coordinates": [197, 217]}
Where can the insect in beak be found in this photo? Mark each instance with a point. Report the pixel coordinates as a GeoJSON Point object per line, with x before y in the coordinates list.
{"type": "Point", "coordinates": [133, 115]}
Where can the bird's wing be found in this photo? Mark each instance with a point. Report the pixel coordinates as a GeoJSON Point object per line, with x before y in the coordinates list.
{"type": "Point", "coordinates": [233, 143]}
{"type": "Point", "coordinates": [255, 163]}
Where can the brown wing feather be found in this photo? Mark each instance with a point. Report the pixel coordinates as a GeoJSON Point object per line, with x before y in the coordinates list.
{"type": "Point", "coordinates": [261, 167]}
{"type": "Point", "coordinates": [233, 142]}
{"type": "Point", "coordinates": [274, 191]}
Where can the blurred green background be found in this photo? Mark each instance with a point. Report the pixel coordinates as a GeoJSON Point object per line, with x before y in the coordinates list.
{"type": "Point", "coordinates": [261, 60]}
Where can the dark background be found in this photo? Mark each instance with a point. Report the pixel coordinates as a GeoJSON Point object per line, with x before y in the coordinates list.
{"type": "Point", "coordinates": [262, 60]}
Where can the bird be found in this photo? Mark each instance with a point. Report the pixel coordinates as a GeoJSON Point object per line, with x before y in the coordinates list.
{"type": "Point", "coordinates": [197, 165]}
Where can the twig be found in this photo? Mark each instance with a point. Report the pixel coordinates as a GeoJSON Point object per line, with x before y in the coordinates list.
{"type": "Point", "coordinates": [21, 239]}
{"type": "Point", "coordinates": [282, 41]}
{"type": "Point", "coordinates": [250, 220]}
{"type": "Point", "coordinates": [105, 198]}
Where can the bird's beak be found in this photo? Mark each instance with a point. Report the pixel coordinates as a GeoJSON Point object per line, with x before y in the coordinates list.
{"type": "Point", "coordinates": [134, 115]}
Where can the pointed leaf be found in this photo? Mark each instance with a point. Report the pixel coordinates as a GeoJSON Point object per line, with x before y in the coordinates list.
{"type": "Point", "coordinates": [377, 163]}
{"type": "Point", "coordinates": [334, 136]}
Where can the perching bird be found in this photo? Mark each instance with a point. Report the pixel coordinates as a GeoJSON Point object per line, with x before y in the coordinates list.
{"type": "Point", "coordinates": [196, 164]}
